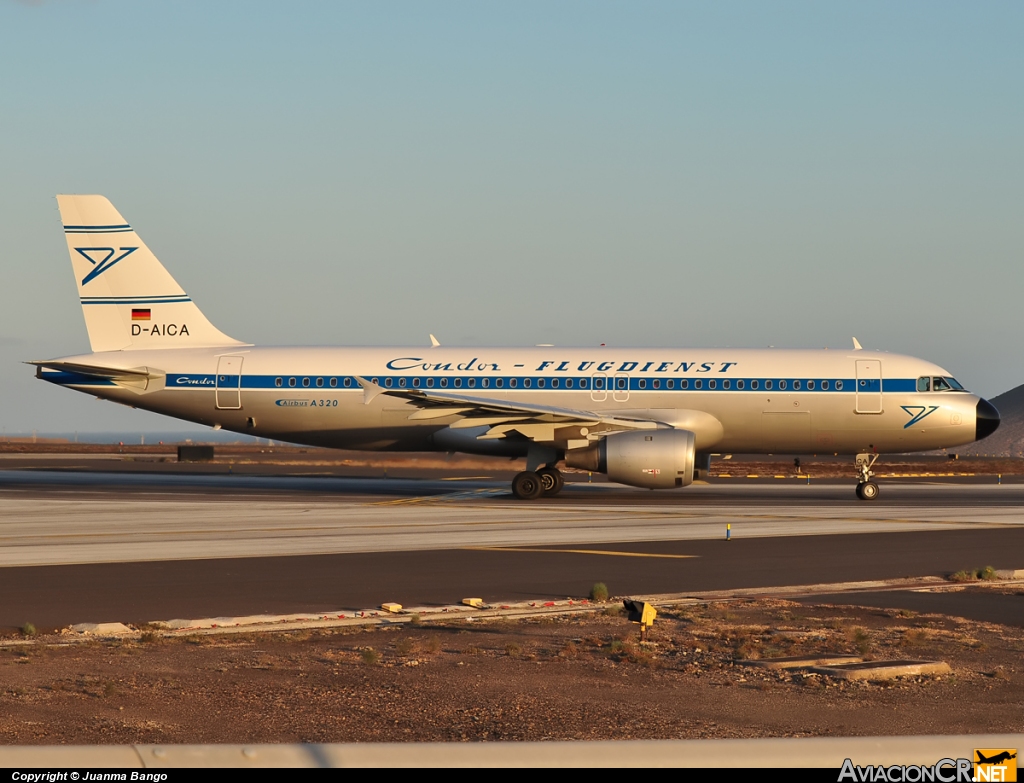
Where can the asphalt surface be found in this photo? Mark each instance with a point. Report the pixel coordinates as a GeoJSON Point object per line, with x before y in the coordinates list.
{"type": "Point", "coordinates": [53, 596]}
{"type": "Point", "coordinates": [801, 536]}
{"type": "Point", "coordinates": [312, 484]}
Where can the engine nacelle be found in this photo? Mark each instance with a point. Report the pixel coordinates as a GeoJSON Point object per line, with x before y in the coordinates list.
{"type": "Point", "coordinates": [656, 459]}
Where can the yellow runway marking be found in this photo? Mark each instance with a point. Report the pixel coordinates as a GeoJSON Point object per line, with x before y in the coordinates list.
{"type": "Point", "coordinates": [467, 495]}
{"type": "Point", "coordinates": [575, 552]}
{"type": "Point", "coordinates": [466, 478]}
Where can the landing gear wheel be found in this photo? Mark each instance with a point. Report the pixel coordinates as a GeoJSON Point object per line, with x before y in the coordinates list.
{"type": "Point", "coordinates": [867, 490]}
{"type": "Point", "coordinates": [551, 481]}
{"type": "Point", "coordinates": [527, 485]}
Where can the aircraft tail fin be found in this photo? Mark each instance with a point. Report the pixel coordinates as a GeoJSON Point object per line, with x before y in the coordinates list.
{"type": "Point", "coordinates": [129, 300]}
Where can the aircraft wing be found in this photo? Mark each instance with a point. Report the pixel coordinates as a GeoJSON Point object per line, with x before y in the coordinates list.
{"type": "Point", "coordinates": [569, 427]}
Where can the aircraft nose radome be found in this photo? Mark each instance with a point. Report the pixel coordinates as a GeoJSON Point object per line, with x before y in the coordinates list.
{"type": "Point", "coordinates": [987, 420]}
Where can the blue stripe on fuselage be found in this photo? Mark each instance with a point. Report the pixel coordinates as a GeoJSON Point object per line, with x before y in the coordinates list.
{"type": "Point", "coordinates": [471, 384]}
{"type": "Point", "coordinates": [544, 383]}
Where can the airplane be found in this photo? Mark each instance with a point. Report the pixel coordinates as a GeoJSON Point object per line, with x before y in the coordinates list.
{"type": "Point", "coordinates": [645, 417]}
{"type": "Point", "coordinates": [996, 759]}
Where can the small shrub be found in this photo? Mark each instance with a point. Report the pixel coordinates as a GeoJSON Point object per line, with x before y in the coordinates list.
{"type": "Point", "coordinates": [415, 620]}
{"type": "Point", "coordinates": [109, 690]}
{"type": "Point", "coordinates": [28, 630]}
{"type": "Point", "coordinates": [861, 640]}
{"type": "Point", "coordinates": [916, 637]}
{"type": "Point", "coordinates": [613, 611]}
{"type": "Point", "coordinates": [569, 652]}
{"type": "Point", "coordinates": [599, 592]}
{"type": "Point", "coordinates": [148, 637]}
{"type": "Point", "coordinates": [746, 651]}
{"type": "Point", "coordinates": [987, 573]}
{"type": "Point", "coordinates": [432, 644]}
{"type": "Point", "coordinates": [403, 646]}
{"type": "Point", "coordinates": [370, 656]}
{"type": "Point", "coordinates": [513, 650]}
{"type": "Point", "coordinates": [642, 657]}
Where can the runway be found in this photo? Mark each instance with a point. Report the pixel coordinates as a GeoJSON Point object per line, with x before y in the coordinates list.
{"type": "Point", "coordinates": [116, 518]}
{"type": "Point", "coordinates": [103, 547]}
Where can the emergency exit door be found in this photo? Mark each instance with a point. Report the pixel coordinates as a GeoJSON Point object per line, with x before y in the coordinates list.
{"type": "Point", "coordinates": [869, 386]}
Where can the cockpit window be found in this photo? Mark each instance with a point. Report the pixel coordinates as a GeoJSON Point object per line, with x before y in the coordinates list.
{"type": "Point", "coordinates": [940, 384]}
{"type": "Point", "coordinates": [924, 384]}
{"type": "Point", "coordinates": [954, 383]}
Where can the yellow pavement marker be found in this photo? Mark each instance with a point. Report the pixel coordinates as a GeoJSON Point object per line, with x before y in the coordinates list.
{"type": "Point", "coordinates": [575, 552]}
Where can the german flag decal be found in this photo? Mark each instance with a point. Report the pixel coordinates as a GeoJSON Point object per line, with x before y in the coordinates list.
{"type": "Point", "coordinates": [140, 315]}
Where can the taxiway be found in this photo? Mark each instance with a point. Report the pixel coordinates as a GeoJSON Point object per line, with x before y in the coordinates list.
{"type": "Point", "coordinates": [134, 548]}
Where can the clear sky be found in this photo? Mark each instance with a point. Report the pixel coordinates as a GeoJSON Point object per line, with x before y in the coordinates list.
{"type": "Point", "coordinates": [631, 173]}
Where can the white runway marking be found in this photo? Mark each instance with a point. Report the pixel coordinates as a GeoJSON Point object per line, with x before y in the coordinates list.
{"type": "Point", "coordinates": [105, 527]}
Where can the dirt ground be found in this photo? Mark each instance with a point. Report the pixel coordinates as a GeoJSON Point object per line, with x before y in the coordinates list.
{"type": "Point", "coordinates": [581, 677]}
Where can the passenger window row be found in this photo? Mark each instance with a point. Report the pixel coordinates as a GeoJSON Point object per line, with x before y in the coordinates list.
{"type": "Point", "coordinates": [306, 382]}
{"type": "Point", "coordinates": [601, 383]}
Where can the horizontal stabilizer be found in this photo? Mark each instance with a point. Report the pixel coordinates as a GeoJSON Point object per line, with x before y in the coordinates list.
{"type": "Point", "coordinates": [94, 371]}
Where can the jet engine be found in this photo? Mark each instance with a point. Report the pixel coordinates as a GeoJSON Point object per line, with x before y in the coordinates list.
{"type": "Point", "coordinates": [656, 459]}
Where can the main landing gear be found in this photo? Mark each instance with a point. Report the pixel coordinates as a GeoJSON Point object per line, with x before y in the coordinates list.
{"type": "Point", "coordinates": [530, 485]}
{"type": "Point", "coordinates": [866, 488]}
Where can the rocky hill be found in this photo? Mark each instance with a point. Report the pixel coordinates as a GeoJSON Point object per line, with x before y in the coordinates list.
{"type": "Point", "coordinates": [1008, 440]}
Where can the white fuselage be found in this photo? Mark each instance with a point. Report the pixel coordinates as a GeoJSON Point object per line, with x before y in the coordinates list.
{"type": "Point", "coordinates": [750, 401]}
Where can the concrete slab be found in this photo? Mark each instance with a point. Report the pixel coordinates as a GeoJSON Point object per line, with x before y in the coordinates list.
{"type": "Point", "coordinates": [883, 670]}
{"type": "Point", "coordinates": [801, 661]}
{"type": "Point", "coordinates": [101, 629]}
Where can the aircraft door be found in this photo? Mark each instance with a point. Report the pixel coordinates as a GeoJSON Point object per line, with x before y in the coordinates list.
{"type": "Point", "coordinates": [621, 388]}
{"type": "Point", "coordinates": [599, 387]}
{"type": "Point", "coordinates": [869, 386]}
{"type": "Point", "coordinates": [229, 383]}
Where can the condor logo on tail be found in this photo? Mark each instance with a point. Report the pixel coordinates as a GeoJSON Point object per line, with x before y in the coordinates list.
{"type": "Point", "coordinates": [102, 264]}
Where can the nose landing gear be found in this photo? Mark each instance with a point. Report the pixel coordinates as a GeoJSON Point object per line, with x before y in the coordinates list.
{"type": "Point", "coordinates": [866, 488]}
